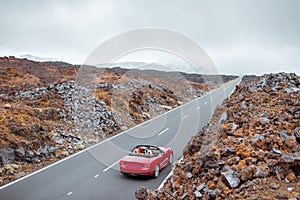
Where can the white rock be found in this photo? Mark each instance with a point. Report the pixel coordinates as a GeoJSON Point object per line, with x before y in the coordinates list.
{"type": "Point", "coordinates": [80, 146]}
{"type": "Point", "coordinates": [65, 153]}
{"type": "Point", "coordinates": [7, 106]}
{"type": "Point", "coordinates": [198, 194]}
{"type": "Point", "coordinates": [123, 128]}
{"type": "Point", "coordinates": [92, 141]}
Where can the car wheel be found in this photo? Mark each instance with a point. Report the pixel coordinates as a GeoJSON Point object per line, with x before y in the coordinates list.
{"type": "Point", "coordinates": [156, 171]}
{"type": "Point", "coordinates": [171, 159]}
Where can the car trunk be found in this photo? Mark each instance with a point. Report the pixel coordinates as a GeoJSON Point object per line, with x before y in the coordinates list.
{"type": "Point", "coordinates": [136, 162]}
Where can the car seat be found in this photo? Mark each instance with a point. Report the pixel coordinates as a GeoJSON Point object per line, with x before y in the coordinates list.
{"type": "Point", "coordinates": [150, 153]}
{"type": "Point", "coordinates": [135, 151]}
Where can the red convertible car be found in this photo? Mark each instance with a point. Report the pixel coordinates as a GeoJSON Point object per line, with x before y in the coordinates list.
{"type": "Point", "coordinates": [146, 160]}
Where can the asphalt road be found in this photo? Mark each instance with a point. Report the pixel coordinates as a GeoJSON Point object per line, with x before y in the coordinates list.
{"type": "Point", "coordinates": [94, 173]}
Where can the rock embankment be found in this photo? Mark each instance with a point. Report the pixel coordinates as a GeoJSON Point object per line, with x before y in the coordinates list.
{"type": "Point", "coordinates": [49, 123]}
{"type": "Point", "coordinates": [253, 152]}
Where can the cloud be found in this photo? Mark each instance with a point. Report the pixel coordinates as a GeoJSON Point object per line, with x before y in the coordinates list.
{"type": "Point", "coordinates": [241, 37]}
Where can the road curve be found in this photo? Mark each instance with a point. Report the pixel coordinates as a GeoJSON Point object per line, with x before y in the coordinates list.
{"type": "Point", "coordinates": [94, 174]}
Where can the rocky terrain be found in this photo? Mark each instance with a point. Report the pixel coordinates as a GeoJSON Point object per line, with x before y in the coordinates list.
{"type": "Point", "coordinates": [247, 79]}
{"type": "Point", "coordinates": [249, 150]}
{"type": "Point", "coordinates": [47, 113]}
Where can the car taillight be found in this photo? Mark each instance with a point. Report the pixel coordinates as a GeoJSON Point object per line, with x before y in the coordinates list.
{"type": "Point", "coordinates": [122, 162]}
{"type": "Point", "coordinates": [145, 165]}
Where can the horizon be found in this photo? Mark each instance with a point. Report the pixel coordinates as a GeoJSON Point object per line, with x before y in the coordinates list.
{"type": "Point", "coordinates": [133, 68]}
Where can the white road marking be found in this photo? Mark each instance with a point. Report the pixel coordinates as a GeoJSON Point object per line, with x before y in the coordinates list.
{"type": "Point", "coordinates": [185, 116]}
{"type": "Point", "coordinates": [205, 102]}
{"type": "Point", "coordinates": [96, 175]}
{"type": "Point", "coordinates": [163, 182]}
{"type": "Point", "coordinates": [163, 131]}
{"type": "Point", "coordinates": [69, 193]}
{"type": "Point", "coordinates": [198, 108]}
{"type": "Point", "coordinates": [111, 165]}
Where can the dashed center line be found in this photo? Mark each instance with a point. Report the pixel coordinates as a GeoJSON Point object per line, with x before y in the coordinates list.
{"type": "Point", "coordinates": [163, 131]}
{"type": "Point", "coordinates": [111, 165]}
{"type": "Point", "coordinates": [185, 116]}
{"type": "Point", "coordinates": [205, 102]}
{"type": "Point", "coordinates": [198, 108]}
{"type": "Point", "coordinates": [69, 193]}
{"type": "Point", "coordinates": [96, 175]}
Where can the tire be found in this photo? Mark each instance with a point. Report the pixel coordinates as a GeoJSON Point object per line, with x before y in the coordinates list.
{"type": "Point", "coordinates": [171, 158]}
{"type": "Point", "coordinates": [125, 174]}
{"type": "Point", "coordinates": [156, 171]}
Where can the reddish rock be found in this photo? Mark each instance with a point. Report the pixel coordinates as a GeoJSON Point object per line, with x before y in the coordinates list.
{"type": "Point", "coordinates": [255, 153]}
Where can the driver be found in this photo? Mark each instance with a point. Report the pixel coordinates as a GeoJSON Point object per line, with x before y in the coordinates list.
{"type": "Point", "coordinates": [140, 150]}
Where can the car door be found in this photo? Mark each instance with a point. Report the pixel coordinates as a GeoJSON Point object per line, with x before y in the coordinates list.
{"type": "Point", "coordinates": [164, 159]}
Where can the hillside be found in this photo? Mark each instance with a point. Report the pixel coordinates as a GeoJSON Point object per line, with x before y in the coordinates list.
{"type": "Point", "coordinates": [249, 149]}
{"type": "Point", "coordinates": [48, 112]}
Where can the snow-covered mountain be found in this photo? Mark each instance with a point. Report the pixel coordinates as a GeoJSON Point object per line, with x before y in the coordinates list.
{"type": "Point", "coordinates": [38, 58]}
{"type": "Point", "coordinates": [144, 66]}
{"type": "Point", "coordinates": [127, 65]}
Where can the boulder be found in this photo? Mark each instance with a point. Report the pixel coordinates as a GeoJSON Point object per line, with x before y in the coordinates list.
{"type": "Point", "coordinates": [7, 106]}
{"type": "Point", "coordinates": [230, 178]}
{"type": "Point", "coordinates": [11, 168]}
{"type": "Point", "coordinates": [141, 194]}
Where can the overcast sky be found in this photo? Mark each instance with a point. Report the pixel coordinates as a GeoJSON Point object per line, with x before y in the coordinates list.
{"type": "Point", "coordinates": [241, 37]}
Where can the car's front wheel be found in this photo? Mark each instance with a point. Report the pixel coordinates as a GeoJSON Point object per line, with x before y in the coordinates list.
{"type": "Point", "coordinates": [156, 171]}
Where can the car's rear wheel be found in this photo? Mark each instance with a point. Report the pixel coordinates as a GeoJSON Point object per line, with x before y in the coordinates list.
{"type": "Point", "coordinates": [124, 173]}
{"type": "Point", "coordinates": [171, 158]}
{"type": "Point", "coordinates": [156, 171]}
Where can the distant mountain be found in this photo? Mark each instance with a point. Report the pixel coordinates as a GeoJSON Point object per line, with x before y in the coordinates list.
{"type": "Point", "coordinates": [127, 65]}
{"type": "Point", "coordinates": [143, 66]}
{"type": "Point", "coordinates": [38, 58]}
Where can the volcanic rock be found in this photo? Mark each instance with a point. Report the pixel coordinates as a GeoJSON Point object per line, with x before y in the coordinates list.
{"type": "Point", "coordinates": [141, 194]}
{"type": "Point", "coordinates": [7, 106]}
{"type": "Point", "coordinates": [230, 178]}
{"type": "Point", "coordinates": [254, 153]}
